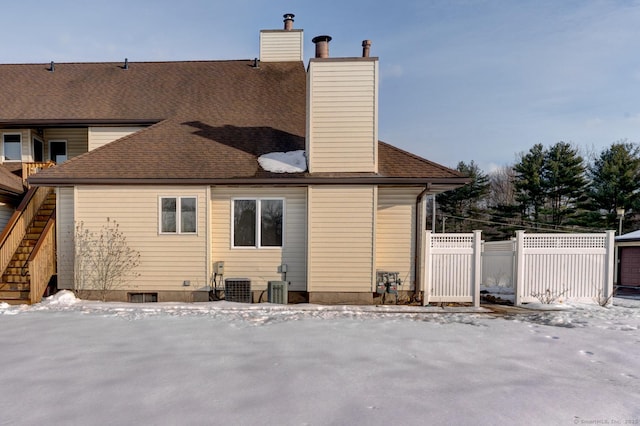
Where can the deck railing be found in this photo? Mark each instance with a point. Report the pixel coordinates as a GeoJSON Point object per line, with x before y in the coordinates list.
{"type": "Point", "coordinates": [32, 168]}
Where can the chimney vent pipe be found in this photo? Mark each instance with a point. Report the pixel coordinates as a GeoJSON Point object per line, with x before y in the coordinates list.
{"type": "Point", "coordinates": [366, 47]}
{"type": "Point", "coordinates": [288, 21]}
{"type": "Point", "coordinates": [322, 46]}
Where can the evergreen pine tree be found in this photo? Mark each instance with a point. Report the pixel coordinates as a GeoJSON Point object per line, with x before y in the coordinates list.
{"type": "Point", "coordinates": [468, 201]}
{"type": "Point", "coordinates": [529, 189]}
{"type": "Point", "coordinates": [615, 183]}
{"type": "Point", "coordinates": [563, 182]}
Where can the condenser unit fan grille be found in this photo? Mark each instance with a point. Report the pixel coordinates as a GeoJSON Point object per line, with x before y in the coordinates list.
{"type": "Point", "coordinates": [237, 290]}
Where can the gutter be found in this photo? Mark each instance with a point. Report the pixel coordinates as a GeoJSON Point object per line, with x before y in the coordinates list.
{"type": "Point", "coordinates": [52, 181]}
{"type": "Point", "coordinates": [12, 124]}
{"type": "Point", "coordinates": [11, 192]}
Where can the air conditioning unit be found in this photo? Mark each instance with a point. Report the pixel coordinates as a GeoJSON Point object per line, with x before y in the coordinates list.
{"type": "Point", "coordinates": [278, 292]}
{"type": "Point", "coordinates": [237, 290]}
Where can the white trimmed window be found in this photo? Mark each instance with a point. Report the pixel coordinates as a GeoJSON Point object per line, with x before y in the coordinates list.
{"type": "Point", "coordinates": [257, 222]}
{"type": "Point", "coordinates": [178, 215]}
{"type": "Point", "coordinates": [12, 145]}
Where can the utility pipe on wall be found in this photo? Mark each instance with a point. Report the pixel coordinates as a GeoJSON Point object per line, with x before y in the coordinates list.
{"type": "Point", "coordinates": [418, 241]}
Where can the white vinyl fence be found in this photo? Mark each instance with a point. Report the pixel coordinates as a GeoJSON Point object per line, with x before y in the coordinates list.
{"type": "Point", "coordinates": [575, 266]}
{"type": "Point", "coordinates": [453, 267]}
{"type": "Point", "coordinates": [539, 267]}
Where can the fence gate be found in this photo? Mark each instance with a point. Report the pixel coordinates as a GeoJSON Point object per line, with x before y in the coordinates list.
{"type": "Point", "coordinates": [453, 268]}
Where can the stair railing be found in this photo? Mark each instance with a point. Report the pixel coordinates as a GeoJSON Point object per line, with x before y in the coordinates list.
{"type": "Point", "coordinates": [49, 219]}
{"type": "Point", "coordinates": [42, 261]}
{"type": "Point", "coordinates": [16, 228]}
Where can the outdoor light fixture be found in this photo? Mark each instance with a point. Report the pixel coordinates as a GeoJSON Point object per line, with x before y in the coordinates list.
{"type": "Point", "coordinates": [620, 212]}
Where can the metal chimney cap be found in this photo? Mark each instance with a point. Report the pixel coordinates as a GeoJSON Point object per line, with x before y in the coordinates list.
{"type": "Point", "coordinates": [321, 38]}
{"type": "Point", "coordinates": [322, 45]}
{"type": "Point", "coordinates": [288, 21]}
{"type": "Point", "coordinates": [366, 47]}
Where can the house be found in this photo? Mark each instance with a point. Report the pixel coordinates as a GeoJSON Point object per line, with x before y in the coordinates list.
{"type": "Point", "coordinates": [181, 155]}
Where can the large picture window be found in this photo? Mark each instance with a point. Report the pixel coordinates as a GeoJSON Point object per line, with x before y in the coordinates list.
{"type": "Point", "coordinates": [12, 146]}
{"type": "Point", "coordinates": [258, 222]}
{"type": "Point", "coordinates": [178, 215]}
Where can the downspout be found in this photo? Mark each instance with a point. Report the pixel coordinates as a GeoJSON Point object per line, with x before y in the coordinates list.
{"type": "Point", "coordinates": [418, 249]}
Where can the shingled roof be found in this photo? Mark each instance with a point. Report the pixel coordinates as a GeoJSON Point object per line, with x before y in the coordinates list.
{"type": "Point", "coordinates": [209, 121]}
{"type": "Point", "coordinates": [10, 183]}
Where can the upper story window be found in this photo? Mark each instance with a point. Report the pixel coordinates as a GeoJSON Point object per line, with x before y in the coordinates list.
{"type": "Point", "coordinates": [178, 215]}
{"type": "Point", "coordinates": [12, 145]}
{"type": "Point", "coordinates": [58, 151]}
{"type": "Point", "coordinates": [257, 222]}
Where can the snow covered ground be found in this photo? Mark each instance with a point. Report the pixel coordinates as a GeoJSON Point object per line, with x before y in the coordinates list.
{"type": "Point", "coordinates": [71, 362]}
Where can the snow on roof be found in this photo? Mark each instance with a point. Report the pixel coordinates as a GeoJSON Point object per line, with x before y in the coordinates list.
{"type": "Point", "coordinates": [630, 236]}
{"type": "Point", "coordinates": [284, 162]}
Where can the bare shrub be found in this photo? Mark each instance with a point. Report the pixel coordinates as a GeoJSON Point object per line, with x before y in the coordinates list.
{"type": "Point", "coordinates": [548, 297]}
{"type": "Point", "coordinates": [602, 299]}
{"type": "Point", "coordinates": [103, 260]}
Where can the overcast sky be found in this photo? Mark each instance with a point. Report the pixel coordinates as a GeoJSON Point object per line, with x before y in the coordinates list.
{"type": "Point", "coordinates": [461, 80]}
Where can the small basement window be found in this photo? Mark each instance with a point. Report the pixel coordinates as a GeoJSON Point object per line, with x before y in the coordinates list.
{"type": "Point", "coordinates": [143, 297]}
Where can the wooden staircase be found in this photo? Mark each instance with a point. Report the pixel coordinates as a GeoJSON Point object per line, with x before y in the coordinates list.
{"type": "Point", "coordinates": [34, 255]}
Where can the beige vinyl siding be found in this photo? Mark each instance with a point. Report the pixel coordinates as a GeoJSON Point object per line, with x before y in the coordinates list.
{"type": "Point", "coordinates": [342, 132]}
{"type": "Point", "coordinates": [281, 46]}
{"type": "Point", "coordinates": [99, 136]}
{"type": "Point", "coordinates": [77, 140]}
{"type": "Point", "coordinates": [341, 243]}
{"type": "Point", "coordinates": [167, 260]}
{"type": "Point", "coordinates": [65, 229]}
{"type": "Point", "coordinates": [395, 233]}
{"type": "Point", "coordinates": [6, 211]}
{"type": "Point", "coordinates": [260, 265]}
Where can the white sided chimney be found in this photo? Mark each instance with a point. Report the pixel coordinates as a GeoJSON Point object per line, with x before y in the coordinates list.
{"type": "Point", "coordinates": [282, 45]}
{"type": "Point", "coordinates": [342, 111]}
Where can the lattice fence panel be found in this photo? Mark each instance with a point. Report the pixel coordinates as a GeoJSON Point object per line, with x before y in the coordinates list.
{"type": "Point", "coordinates": [456, 241]}
{"type": "Point", "coordinates": [565, 241]}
